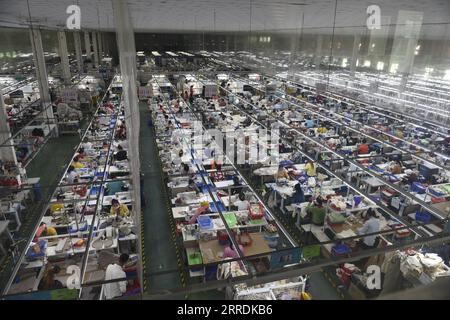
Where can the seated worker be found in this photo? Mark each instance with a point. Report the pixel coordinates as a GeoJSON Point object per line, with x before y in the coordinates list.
{"type": "Point", "coordinates": [121, 154]}
{"type": "Point", "coordinates": [241, 203]}
{"type": "Point", "coordinates": [298, 196]}
{"type": "Point", "coordinates": [115, 271]}
{"type": "Point", "coordinates": [209, 150]}
{"type": "Point", "coordinates": [44, 231]}
{"type": "Point", "coordinates": [322, 130]}
{"type": "Point", "coordinates": [309, 123]}
{"type": "Point", "coordinates": [396, 168]}
{"type": "Point", "coordinates": [363, 148]}
{"type": "Point", "coordinates": [310, 169]}
{"type": "Point", "coordinates": [231, 252]}
{"type": "Point", "coordinates": [80, 154]}
{"type": "Point", "coordinates": [118, 209]}
{"type": "Point", "coordinates": [48, 231]}
{"type": "Point", "coordinates": [48, 281]}
{"type": "Point", "coordinates": [71, 175]}
{"type": "Point", "coordinates": [236, 183]}
{"type": "Point", "coordinates": [186, 169]}
{"type": "Point", "coordinates": [317, 212]}
{"type": "Point", "coordinates": [77, 164]}
{"type": "Point", "coordinates": [371, 225]}
{"type": "Point", "coordinates": [80, 190]}
{"type": "Point", "coordinates": [399, 134]}
{"type": "Point", "coordinates": [58, 206]}
{"type": "Point", "coordinates": [281, 173]}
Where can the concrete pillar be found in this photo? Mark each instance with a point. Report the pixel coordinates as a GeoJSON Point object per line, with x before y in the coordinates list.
{"type": "Point", "coordinates": [127, 57]}
{"type": "Point", "coordinates": [78, 53]}
{"type": "Point", "coordinates": [41, 73]}
{"type": "Point", "coordinates": [408, 63]}
{"type": "Point", "coordinates": [95, 48]}
{"type": "Point", "coordinates": [64, 55]}
{"type": "Point", "coordinates": [100, 46]}
{"type": "Point", "coordinates": [356, 42]}
{"type": "Point", "coordinates": [7, 151]}
{"type": "Point", "coordinates": [318, 54]}
{"type": "Point", "coordinates": [87, 44]}
{"type": "Point", "coordinates": [294, 42]}
{"type": "Point", "coordinates": [105, 45]}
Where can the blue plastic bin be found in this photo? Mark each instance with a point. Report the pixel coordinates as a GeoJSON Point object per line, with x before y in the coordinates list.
{"type": "Point", "coordinates": [205, 222]}
{"type": "Point", "coordinates": [423, 216]}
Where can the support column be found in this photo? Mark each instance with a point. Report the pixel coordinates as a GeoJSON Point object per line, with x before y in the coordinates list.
{"type": "Point", "coordinates": [318, 55]}
{"type": "Point", "coordinates": [105, 46]}
{"type": "Point", "coordinates": [100, 47]}
{"type": "Point", "coordinates": [64, 55]}
{"type": "Point", "coordinates": [87, 43]}
{"type": "Point", "coordinates": [356, 42]}
{"type": "Point", "coordinates": [95, 48]}
{"type": "Point", "coordinates": [7, 151]}
{"type": "Point", "coordinates": [127, 57]}
{"type": "Point", "coordinates": [408, 64]}
{"type": "Point", "coordinates": [78, 53]}
{"type": "Point", "coordinates": [294, 39]}
{"type": "Point", "coordinates": [41, 75]}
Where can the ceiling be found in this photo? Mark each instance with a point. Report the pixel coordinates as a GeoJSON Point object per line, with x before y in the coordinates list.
{"type": "Point", "coordinates": [231, 15]}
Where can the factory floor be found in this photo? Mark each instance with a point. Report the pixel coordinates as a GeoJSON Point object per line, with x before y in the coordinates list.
{"type": "Point", "coordinates": [162, 255]}
{"type": "Point", "coordinates": [161, 251]}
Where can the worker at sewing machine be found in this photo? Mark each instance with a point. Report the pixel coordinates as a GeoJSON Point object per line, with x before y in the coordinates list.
{"type": "Point", "coordinates": [57, 207]}
{"type": "Point", "coordinates": [118, 209]}
{"type": "Point", "coordinates": [281, 174]}
{"type": "Point", "coordinates": [371, 225]}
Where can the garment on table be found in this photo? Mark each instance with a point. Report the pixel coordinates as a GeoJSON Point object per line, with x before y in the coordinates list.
{"type": "Point", "coordinates": [230, 253]}
{"type": "Point", "coordinates": [49, 232]}
{"type": "Point", "coordinates": [309, 123]}
{"type": "Point", "coordinates": [242, 205]}
{"type": "Point", "coordinates": [56, 207]}
{"type": "Point", "coordinates": [78, 165]}
{"type": "Point", "coordinates": [282, 175]}
{"type": "Point", "coordinates": [363, 149]}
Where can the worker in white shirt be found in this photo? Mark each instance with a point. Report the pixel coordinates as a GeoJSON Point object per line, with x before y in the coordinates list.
{"type": "Point", "coordinates": [371, 225]}
{"type": "Point", "coordinates": [242, 204]}
{"type": "Point", "coordinates": [115, 271]}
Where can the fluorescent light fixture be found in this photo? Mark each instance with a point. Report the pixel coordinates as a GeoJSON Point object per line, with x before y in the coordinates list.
{"type": "Point", "coordinates": [380, 65]}
{"type": "Point", "coordinates": [222, 76]}
{"type": "Point", "coordinates": [447, 75]}
{"type": "Point", "coordinates": [394, 68]}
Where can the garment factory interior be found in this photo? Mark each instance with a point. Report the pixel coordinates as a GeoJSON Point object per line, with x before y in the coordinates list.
{"type": "Point", "coordinates": [224, 150]}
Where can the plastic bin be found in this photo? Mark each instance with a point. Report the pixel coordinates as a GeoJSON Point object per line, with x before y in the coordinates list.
{"type": "Point", "coordinates": [340, 250]}
{"type": "Point", "coordinates": [418, 188]}
{"type": "Point", "coordinates": [205, 222]}
{"type": "Point", "coordinates": [272, 240]}
{"type": "Point", "coordinates": [423, 216]}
